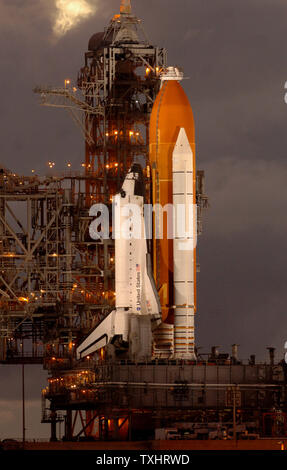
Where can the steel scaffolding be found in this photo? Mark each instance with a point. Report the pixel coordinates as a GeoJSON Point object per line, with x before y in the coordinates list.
{"type": "Point", "coordinates": [51, 271]}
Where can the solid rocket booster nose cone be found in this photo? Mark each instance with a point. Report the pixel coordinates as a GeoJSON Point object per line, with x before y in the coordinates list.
{"type": "Point", "coordinates": [126, 6]}
{"type": "Point", "coordinates": [182, 144]}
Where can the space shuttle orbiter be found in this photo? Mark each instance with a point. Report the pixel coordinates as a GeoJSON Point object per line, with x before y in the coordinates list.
{"type": "Point", "coordinates": [137, 310]}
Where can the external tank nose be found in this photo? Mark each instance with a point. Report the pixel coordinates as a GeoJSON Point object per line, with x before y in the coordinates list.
{"type": "Point", "coordinates": [171, 111]}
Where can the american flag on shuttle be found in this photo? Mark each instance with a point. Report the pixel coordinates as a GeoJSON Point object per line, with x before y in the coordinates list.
{"type": "Point", "coordinates": [138, 268]}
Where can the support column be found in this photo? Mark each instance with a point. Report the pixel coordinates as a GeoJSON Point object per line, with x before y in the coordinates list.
{"type": "Point", "coordinates": [68, 426]}
{"type": "Point", "coordinates": [53, 426]}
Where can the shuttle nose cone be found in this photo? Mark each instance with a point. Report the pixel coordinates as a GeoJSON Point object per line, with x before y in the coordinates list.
{"type": "Point", "coordinates": [139, 179]}
{"type": "Point", "coordinates": [134, 181]}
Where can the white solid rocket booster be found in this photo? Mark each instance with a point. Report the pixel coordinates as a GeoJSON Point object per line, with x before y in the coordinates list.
{"type": "Point", "coordinates": [183, 247]}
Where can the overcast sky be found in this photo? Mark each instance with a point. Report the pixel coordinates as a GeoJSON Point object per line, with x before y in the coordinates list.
{"type": "Point", "coordinates": [234, 55]}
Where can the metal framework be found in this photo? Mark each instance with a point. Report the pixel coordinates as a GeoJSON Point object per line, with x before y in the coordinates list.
{"type": "Point", "coordinates": [144, 397]}
{"type": "Point", "coordinates": [50, 271]}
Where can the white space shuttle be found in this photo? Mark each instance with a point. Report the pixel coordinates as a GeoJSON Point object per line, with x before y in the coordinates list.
{"type": "Point", "coordinates": [135, 328]}
{"type": "Point", "coordinates": [137, 310]}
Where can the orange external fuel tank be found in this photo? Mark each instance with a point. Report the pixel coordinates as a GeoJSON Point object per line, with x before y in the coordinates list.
{"type": "Point", "coordinates": [171, 112]}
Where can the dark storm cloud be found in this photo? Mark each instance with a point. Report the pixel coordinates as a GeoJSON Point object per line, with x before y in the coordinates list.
{"type": "Point", "coordinates": [234, 53]}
